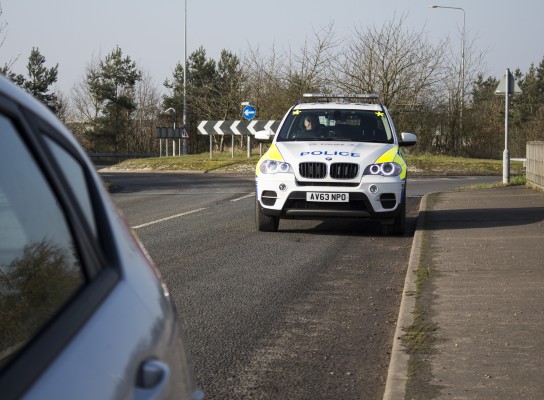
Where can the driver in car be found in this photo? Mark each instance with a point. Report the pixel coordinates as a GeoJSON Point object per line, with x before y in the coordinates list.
{"type": "Point", "coordinates": [311, 123]}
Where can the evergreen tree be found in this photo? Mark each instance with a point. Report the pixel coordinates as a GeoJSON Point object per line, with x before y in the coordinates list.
{"type": "Point", "coordinates": [201, 91]}
{"type": "Point", "coordinates": [12, 76]}
{"type": "Point", "coordinates": [41, 78]}
{"type": "Point", "coordinates": [38, 80]}
{"type": "Point", "coordinates": [229, 85]}
{"type": "Point", "coordinates": [112, 86]}
{"type": "Point", "coordinates": [485, 119]}
{"type": "Point", "coordinates": [175, 100]}
{"type": "Point", "coordinates": [528, 109]}
{"type": "Point", "coordinates": [201, 84]}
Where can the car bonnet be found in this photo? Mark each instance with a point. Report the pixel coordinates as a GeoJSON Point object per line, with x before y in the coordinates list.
{"type": "Point", "coordinates": [348, 152]}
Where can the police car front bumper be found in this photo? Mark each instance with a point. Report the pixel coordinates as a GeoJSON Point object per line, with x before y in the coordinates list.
{"type": "Point", "coordinates": [374, 197]}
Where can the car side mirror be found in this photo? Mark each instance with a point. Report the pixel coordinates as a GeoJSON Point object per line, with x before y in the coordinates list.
{"type": "Point", "coordinates": [407, 139]}
{"type": "Point", "coordinates": [264, 136]}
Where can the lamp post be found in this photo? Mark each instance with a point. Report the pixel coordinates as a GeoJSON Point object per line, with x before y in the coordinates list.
{"type": "Point", "coordinates": [185, 122]}
{"type": "Point", "coordinates": [174, 121]}
{"type": "Point", "coordinates": [462, 61]}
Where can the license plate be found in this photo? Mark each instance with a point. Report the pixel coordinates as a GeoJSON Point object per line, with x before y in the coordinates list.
{"type": "Point", "coordinates": [328, 197]}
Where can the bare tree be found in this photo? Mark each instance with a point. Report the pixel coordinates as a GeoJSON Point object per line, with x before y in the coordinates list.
{"type": "Point", "coordinates": [148, 100]}
{"type": "Point", "coordinates": [62, 109]}
{"type": "Point", "coordinates": [6, 69]}
{"type": "Point", "coordinates": [400, 65]}
{"type": "Point", "coordinates": [307, 70]}
{"type": "Point", "coordinates": [264, 84]}
{"type": "Point", "coordinates": [280, 79]}
{"type": "Point", "coordinates": [3, 27]}
{"type": "Point", "coordinates": [85, 108]}
{"type": "Point", "coordinates": [452, 103]}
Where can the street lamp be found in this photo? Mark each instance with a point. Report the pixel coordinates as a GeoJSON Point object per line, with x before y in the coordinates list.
{"type": "Point", "coordinates": [462, 60]}
{"type": "Point", "coordinates": [185, 81]}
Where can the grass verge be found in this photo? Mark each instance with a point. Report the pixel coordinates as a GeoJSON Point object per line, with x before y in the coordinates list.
{"type": "Point", "coordinates": [436, 165]}
{"type": "Point", "coordinates": [194, 162]}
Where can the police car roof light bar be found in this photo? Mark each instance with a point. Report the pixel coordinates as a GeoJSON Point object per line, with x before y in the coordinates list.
{"type": "Point", "coordinates": [327, 97]}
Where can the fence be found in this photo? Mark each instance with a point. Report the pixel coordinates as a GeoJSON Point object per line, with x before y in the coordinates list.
{"type": "Point", "coordinates": [535, 164]}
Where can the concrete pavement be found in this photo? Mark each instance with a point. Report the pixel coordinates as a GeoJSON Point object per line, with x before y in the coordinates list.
{"type": "Point", "coordinates": [471, 324]}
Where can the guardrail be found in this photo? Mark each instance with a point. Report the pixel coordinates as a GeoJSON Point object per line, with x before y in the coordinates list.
{"type": "Point", "coordinates": [535, 164]}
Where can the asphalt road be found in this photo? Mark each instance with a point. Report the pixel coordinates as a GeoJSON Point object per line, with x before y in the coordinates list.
{"type": "Point", "coordinates": [307, 312]}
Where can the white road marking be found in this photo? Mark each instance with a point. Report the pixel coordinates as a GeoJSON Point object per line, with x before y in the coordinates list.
{"type": "Point", "coordinates": [167, 218]}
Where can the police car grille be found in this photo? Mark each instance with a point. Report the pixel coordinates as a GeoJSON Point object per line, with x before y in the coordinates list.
{"type": "Point", "coordinates": [321, 183]}
{"type": "Point", "coordinates": [313, 170]}
{"type": "Point", "coordinates": [344, 170]}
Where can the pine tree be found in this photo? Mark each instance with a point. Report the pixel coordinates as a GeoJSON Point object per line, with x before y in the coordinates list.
{"type": "Point", "coordinates": [38, 80]}
{"type": "Point", "coordinates": [112, 86]}
{"type": "Point", "coordinates": [41, 78]}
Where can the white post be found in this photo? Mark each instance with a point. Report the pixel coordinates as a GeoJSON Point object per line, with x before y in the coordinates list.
{"type": "Point", "coordinates": [506, 155]}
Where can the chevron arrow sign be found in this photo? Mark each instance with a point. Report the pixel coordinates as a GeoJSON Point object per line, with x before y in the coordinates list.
{"type": "Point", "coordinates": [236, 127]}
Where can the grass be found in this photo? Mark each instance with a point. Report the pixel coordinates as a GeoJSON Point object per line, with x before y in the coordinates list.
{"type": "Point", "coordinates": [430, 164]}
{"type": "Point", "coordinates": [518, 180]}
{"type": "Point", "coordinates": [221, 162]}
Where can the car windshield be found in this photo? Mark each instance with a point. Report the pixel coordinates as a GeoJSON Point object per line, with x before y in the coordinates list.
{"type": "Point", "coordinates": [337, 125]}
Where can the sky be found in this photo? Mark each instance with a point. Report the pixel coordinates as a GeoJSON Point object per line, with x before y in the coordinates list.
{"type": "Point", "coordinates": [151, 32]}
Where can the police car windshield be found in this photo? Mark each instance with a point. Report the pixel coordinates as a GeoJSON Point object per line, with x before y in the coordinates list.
{"type": "Point", "coordinates": [334, 124]}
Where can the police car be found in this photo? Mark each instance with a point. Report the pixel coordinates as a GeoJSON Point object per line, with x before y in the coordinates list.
{"type": "Point", "coordinates": [335, 156]}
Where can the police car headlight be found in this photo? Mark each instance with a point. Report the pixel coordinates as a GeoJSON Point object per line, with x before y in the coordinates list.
{"type": "Point", "coordinates": [384, 169]}
{"type": "Point", "coordinates": [275, 167]}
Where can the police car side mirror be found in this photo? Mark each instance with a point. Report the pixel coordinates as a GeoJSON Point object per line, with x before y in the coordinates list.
{"type": "Point", "coordinates": [264, 136]}
{"type": "Point", "coordinates": [407, 139]}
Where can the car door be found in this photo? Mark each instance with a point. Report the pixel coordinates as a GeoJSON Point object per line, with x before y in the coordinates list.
{"type": "Point", "coordinates": [82, 314]}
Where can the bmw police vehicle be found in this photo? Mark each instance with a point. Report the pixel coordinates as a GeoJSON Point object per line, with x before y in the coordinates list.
{"type": "Point", "coordinates": [333, 158]}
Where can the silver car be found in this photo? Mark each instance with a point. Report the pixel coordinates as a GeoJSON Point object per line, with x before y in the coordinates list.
{"type": "Point", "coordinates": [83, 311]}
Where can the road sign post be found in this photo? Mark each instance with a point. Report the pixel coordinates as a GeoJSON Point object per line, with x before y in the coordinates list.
{"type": "Point", "coordinates": [507, 86]}
{"type": "Point", "coordinates": [238, 128]}
{"type": "Point", "coordinates": [248, 113]}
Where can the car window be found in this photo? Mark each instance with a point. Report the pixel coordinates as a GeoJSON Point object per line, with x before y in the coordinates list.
{"type": "Point", "coordinates": [73, 172]}
{"type": "Point", "coordinates": [39, 265]}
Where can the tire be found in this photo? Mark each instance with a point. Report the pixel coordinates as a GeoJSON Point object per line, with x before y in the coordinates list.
{"type": "Point", "coordinates": [264, 222]}
{"type": "Point", "coordinates": [399, 224]}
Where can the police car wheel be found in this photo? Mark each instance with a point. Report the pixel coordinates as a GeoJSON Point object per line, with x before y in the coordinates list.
{"type": "Point", "coordinates": [265, 223]}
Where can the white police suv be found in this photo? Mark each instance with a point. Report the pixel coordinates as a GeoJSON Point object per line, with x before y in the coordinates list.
{"type": "Point", "coordinates": [333, 158]}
